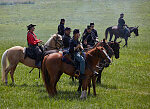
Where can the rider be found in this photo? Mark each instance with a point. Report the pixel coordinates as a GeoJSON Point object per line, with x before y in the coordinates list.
{"type": "Point", "coordinates": [66, 37]}
{"type": "Point", "coordinates": [33, 44]}
{"type": "Point", "coordinates": [75, 48]}
{"type": "Point", "coordinates": [94, 30]}
{"type": "Point", "coordinates": [88, 38]}
{"type": "Point", "coordinates": [122, 26]}
{"type": "Point", "coordinates": [61, 27]}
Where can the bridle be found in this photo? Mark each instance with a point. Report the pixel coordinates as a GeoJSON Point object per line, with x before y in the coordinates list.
{"type": "Point", "coordinates": [57, 41]}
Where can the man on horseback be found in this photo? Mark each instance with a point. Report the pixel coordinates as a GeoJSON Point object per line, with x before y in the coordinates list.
{"type": "Point", "coordinates": [74, 48]}
{"type": "Point", "coordinates": [33, 44]}
{"type": "Point", "coordinates": [66, 37]}
{"type": "Point", "coordinates": [122, 27]}
{"type": "Point", "coordinates": [88, 38]}
{"type": "Point", "coordinates": [61, 27]}
{"type": "Point", "coordinates": [94, 30]}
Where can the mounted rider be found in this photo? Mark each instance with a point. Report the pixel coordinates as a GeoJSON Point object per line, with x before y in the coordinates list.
{"type": "Point", "coordinates": [89, 38]}
{"type": "Point", "coordinates": [94, 30]}
{"type": "Point", "coordinates": [123, 29]}
{"type": "Point", "coordinates": [66, 37]}
{"type": "Point", "coordinates": [74, 49]}
{"type": "Point", "coordinates": [33, 44]}
{"type": "Point", "coordinates": [61, 27]}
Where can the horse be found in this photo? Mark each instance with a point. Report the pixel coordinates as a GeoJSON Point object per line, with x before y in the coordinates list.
{"type": "Point", "coordinates": [109, 51]}
{"type": "Point", "coordinates": [113, 30]}
{"type": "Point", "coordinates": [16, 54]}
{"type": "Point", "coordinates": [53, 67]}
{"type": "Point", "coordinates": [116, 47]}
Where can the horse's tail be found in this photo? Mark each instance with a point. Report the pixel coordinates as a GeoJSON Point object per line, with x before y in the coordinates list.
{"type": "Point", "coordinates": [45, 75]}
{"type": "Point", "coordinates": [106, 32]}
{"type": "Point", "coordinates": [4, 64]}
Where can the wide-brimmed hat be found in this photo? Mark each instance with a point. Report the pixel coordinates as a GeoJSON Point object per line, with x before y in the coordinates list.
{"type": "Point", "coordinates": [30, 26]}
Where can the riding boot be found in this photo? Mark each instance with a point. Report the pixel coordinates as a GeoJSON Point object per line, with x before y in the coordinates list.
{"type": "Point", "coordinates": [38, 63]}
{"type": "Point", "coordinates": [82, 76]}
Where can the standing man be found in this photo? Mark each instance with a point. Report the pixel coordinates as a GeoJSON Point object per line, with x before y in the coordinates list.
{"type": "Point", "coordinates": [94, 30]}
{"type": "Point", "coordinates": [33, 44]}
{"type": "Point", "coordinates": [61, 27]}
{"type": "Point", "coordinates": [74, 48]}
{"type": "Point", "coordinates": [66, 37]}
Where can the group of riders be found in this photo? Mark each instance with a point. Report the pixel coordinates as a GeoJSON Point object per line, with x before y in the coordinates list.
{"type": "Point", "coordinates": [72, 44]}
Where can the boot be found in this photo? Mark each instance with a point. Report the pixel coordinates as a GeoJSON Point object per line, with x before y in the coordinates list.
{"type": "Point", "coordinates": [38, 64]}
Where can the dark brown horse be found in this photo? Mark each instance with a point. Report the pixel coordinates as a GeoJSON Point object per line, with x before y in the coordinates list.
{"type": "Point", "coordinates": [116, 47]}
{"type": "Point", "coordinates": [115, 31]}
{"type": "Point", "coordinates": [53, 67]}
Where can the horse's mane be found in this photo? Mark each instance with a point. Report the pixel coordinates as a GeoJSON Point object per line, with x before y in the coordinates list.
{"type": "Point", "coordinates": [93, 50]}
{"type": "Point", "coordinates": [49, 39]}
{"type": "Point", "coordinates": [52, 36]}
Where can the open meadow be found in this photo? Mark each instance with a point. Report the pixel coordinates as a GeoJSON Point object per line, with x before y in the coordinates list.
{"type": "Point", "coordinates": [125, 84]}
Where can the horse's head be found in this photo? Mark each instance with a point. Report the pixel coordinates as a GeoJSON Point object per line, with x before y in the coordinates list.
{"type": "Point", "coordinates": [116, 47]}
{"type": "Point", "coordinates": [58, 41]}
{"type": "Point", "coordinates": [135, 30]}
{"type": "Point", "coordinates": [101, 52]}
{"type": "Point", "coordinates": [55, 42]}
{"type": "Point", "coordinates": [108, 49]}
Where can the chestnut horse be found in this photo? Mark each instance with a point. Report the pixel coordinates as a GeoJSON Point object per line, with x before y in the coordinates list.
{"type": "Point", "coordinates": [53, 67]}
{"type": "Point", "coordinates": [16, 54]}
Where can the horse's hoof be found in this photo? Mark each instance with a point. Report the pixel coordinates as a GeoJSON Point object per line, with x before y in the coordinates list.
{"type": "Point", "coordinates": [98, 81]}
{"type": "Point", "coordinates": [83, 95]}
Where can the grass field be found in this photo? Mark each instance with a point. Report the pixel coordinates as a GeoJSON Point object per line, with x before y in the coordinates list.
{"type": "Point", "coordinates": [125, 84]}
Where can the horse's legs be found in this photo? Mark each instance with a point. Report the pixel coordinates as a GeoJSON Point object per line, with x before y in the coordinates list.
{"type": "Point", "coordinates": [6, 73]}
{"type": "Point", "coordinates": [126, 42]}
{"type": "Point", "coordinates": [12, 73]}
{"type": "Point", "coordinates": [80, 84]}
{"type": "Point", "coordinates": [111, 35]}
{"type": "Point", "coordinates": [94, 85]}
{"type": "Point", "coordinates": [115, 39]}
{"type": "Point", "coordinates": [58, 77]}
{"type": "Point", "coordinates": [99, 76]}
{"type": "Point", "coordinates": [89, 86]}
{"type": "Point", "coordinates": [84, 88]}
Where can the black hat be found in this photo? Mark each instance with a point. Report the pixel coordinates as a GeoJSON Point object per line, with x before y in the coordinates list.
{"type": "Point", "coordinates": [67, 28]}
{"type": "Point", "coordinates": [30, 26]}
{"type": "Point", "coordinates": [92, 23]}
{"type": "Point", "coordinates": [76, 31]}
{"type": "Point", "coordinates": [88, 27]}
{"type": "Point", "coordinates": [121, 14]}
{"type": "Point", "coordinates": [62, 20]}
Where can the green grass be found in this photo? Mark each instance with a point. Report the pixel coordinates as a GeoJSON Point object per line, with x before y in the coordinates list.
{"type": "Point", "coordinates": [125, 84]}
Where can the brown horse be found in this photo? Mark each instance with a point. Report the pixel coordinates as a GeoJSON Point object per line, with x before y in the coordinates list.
{"type": "Point", "coordinates": [115, 46]}
{"type": "Point", "coordinates": [115, 31]}
{"type": "Point", "coordinates": [16, 54]}
{"type": "Point", "coordinates": [53, 67]}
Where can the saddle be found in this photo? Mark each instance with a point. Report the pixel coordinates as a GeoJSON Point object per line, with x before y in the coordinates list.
{"type": "Point", "coordinates": [69, 59]}
{"type": "Point", "coordinates": [29, 52]}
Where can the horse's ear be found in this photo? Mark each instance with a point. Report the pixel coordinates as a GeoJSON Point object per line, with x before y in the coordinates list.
{"type": "Point", "coordinates": [120, 41]}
